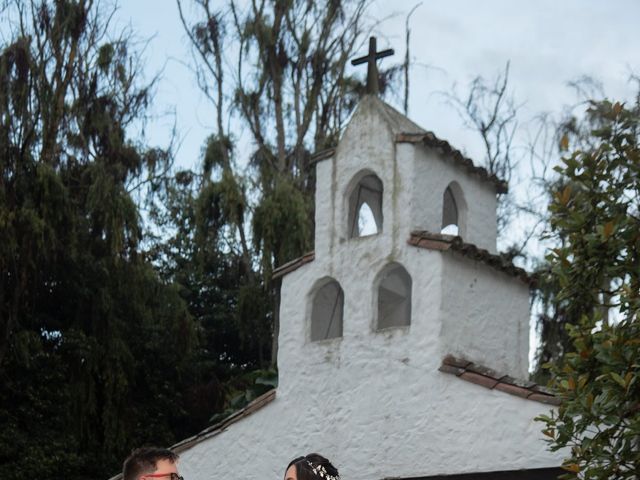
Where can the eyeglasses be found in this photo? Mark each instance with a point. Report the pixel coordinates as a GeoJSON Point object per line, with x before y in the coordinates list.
{"type": "Point", "coordinates": [172, 476]}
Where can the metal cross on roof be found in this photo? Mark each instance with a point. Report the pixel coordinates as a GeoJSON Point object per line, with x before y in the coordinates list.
{"type": "Point", "coordinates": [372, 70]}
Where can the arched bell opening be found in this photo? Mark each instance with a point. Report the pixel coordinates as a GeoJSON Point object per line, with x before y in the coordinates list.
{"type": "Point", "coordinates": [327, 310]}
{"type": "Point", "coordinates": [365, 207]}
{"type": "Point", "coordinates": [393, 293]}
{"type": "Point", "coordinates": [454, 209]}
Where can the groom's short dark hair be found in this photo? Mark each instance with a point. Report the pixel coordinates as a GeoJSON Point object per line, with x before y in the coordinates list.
{"type": "Point", "coordinates": [143, 460]}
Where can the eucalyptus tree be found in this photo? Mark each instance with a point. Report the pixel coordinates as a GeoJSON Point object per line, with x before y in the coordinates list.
{"type": "Point", "coordinates": [276, 70]}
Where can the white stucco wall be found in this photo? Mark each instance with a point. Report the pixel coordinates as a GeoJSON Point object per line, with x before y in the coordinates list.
{"type": "Point", "coordinates": [374, 402]}
{"type": "Point", "coordinates": [367, 146]}
{"type": "Point", "coordinates": [414, 178]}
{"type": "Point", "coordinates": [484, 316]}
{"type": "Point", "coordinates": [432, 176]}
{"type": "Point", "coordinates": [364, 430]}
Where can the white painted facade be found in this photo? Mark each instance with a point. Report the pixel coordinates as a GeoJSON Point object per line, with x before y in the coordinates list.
{"type": "Point", "coordinates": [373, 401]}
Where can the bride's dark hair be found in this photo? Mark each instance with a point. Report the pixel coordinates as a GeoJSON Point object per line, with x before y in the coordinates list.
{"type": "Point", "coordinates": [314, 467]}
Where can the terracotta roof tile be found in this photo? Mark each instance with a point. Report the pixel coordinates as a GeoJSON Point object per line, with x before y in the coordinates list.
{"type": "Point", "coordinates": [540, 389]}
{"type": "Point", "coordinates": [439, 241]}
{"type": "Point", "coordinates": [528, 384]}
{"type": "Point", "coordinates": [451, 369]}
{"type": "Point", "coordinates": [488, 378]}
{"type": "Point", "coordinates": [406, 131]}
{"type": "Point", "coordinates": [512, 389]}
{"type": "Point", "coordinates": [457, 362]}
{"type": "Point", "coordinates": [432, 141]}
{"type": "Point", "coordinates": [433, 241]}
{"type": "Point", "coordinates": [542, 398]}
{"type": "Point", "coordinates": [480, 370]}
{"type": "Point", "coordinates": [488, 382]}
{"type": "Point", "coordinates": [282, 270]}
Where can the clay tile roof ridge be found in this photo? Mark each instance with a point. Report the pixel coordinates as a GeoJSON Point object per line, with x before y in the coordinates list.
{"type": "Point", "coordinates": [430, 139]}
{"type": "Point", "coordinates": [292, 265]}
{"type": "Point", "coordinates": [439, 241]}
{"type": "Point", "coordinates": [489, 378]}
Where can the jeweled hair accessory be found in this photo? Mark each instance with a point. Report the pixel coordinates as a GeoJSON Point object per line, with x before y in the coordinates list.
{"type": "Point", "coordinates": [320, 471]}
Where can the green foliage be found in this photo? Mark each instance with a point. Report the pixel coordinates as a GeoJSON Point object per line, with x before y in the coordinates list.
{"type": "Point", "coordinates": [553, 318]}
{"type": "Point", "coordinates": [286, 86]}
{"type": "Point", "coordinates": [556, 313]}
{"type": "Point", "coordinates": [246, 388]}
{"type": "Point", "coordinates": [599, 418]}
{"type": "Point", "coordinates": [209, 257]}
{"type": "Point", "coordinates": [596, 215]}
{"type": "Point", "coordinates": [282, 224]}
{"type": "Point", "coordinates": [95, 349]}
{"type": "Point", "coordinates": [105, 346]}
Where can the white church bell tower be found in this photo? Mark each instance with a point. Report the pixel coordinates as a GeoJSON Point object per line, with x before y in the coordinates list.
{"type": "Point", "coordinates": [402, 335]}
{"type": "Point", "coordinates": [402, 287]}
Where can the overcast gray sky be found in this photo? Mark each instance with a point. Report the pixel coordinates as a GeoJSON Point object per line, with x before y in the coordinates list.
{"type": "Point", "coordinates": [547, 42]}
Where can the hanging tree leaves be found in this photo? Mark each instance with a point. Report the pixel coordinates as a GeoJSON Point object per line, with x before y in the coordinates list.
{"type": "Point", "coordinates": [93, 346]}
{"type": "Point", "coordinates": [278, 70]}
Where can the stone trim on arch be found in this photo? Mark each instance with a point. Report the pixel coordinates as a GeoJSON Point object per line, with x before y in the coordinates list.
{"type": "Point", "coordinates": [327, 310]}
{"type": "Point", "coordinates": [364, 191]}
{"type": "Point", "coordinates": [392, 293]}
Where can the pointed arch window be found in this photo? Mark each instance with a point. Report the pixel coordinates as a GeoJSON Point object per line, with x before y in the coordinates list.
{"type": "Point", "coordinates": [326, 311]}
{"type": "Point", "coordinates": [394, 298]}
{"type": "Point", "coordinates": [449, 213]}
{"type": "Point", "coordinates": [453, 210]}
{"type": "Point", "coordinates": [365, 207]}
